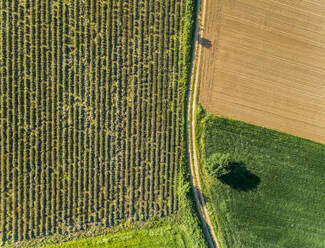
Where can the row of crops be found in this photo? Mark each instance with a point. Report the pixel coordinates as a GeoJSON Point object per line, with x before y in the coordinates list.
{"type": "Point", "coordinates": [90, 113]}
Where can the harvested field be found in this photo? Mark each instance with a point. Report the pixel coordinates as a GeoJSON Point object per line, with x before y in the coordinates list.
{"type": "Point", "coordinates": [264, 63]}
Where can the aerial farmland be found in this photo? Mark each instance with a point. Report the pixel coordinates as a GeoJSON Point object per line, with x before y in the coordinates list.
{"type": "Point", "coordinates": [162, 123]}
{"type": "Point", "coordinates": [260, 121]}
{"type": "Point", "coordinates": [92, 103]}
{"type": "Point", "coordinates": [266, 64]}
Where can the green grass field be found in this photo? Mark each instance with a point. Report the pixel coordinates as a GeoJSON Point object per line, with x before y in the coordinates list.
{"type": "Point", "coordinates": [275, 195]}
{"type": "Point", "coordinates": [165, 236]}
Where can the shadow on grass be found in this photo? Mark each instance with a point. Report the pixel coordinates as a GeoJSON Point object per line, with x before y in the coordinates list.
{"type": "Point", "coordinates": [240, 178]}
{"type": "Point", "coordinates": [200, 193]}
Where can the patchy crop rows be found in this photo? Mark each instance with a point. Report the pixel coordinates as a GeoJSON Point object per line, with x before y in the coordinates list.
{"type": "Point", "coordinates": [90, 113]}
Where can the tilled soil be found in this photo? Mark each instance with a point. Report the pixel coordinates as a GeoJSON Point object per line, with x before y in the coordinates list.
{"type": "Point", "coordinates": [263, 62]}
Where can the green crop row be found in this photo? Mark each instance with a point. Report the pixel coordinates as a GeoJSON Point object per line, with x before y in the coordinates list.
{"type": "Point", "coordinates": [91, 116]}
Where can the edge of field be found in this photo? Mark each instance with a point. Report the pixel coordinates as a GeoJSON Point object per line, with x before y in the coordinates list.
{"type": "Point", "coordinates": [200, 114]}
{"type": "Point", "coordinates": [194, 89]}
{"type": "Point", "coordinates": [164, 236]}
{"type": "Point", "coordinates": [188, 212]}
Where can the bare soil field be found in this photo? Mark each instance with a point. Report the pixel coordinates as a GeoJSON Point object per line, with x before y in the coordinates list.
{"type": "Point", "coordinates": [263, 61]}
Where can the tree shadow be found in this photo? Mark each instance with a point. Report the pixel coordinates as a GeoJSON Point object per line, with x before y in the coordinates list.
{"type": "Point", "coordinates": [240, 178]}
{"type": "Point", "coordinates": [204, 196]}
{"type": "Point", "coordinates": [204, 42]}
{"type": "Point", "coordinates": [205, 226]}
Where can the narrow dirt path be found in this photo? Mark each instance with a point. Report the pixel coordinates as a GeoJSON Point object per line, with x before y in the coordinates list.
{"type": "Point", "coordinates": [191, 106]}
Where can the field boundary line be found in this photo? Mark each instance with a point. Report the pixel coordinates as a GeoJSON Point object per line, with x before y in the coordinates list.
{"type": "Point", "coordinates": [190, 120]}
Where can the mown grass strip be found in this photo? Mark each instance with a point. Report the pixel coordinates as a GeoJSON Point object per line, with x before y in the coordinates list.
{"type": "Point", "coordinates": [165, 236]}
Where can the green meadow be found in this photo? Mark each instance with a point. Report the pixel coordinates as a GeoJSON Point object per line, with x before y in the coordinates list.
{"type": "Point", "coordinates": [275, 194]}
{"type": "Point", "coordinates": [166, 236]}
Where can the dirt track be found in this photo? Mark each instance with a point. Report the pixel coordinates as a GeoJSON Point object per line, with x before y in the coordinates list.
{"type": "Point", "coordinates": [263, 61]}
{"type": "Point", "coordinates": [194, 166]}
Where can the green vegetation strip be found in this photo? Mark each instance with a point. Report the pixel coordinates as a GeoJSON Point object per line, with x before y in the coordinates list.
{"type": "Point", "coordinates": [188, 216]}
{"type": "Point", "coordinates": [275, 194]}
{"type": "Point", "coordinates": [166, 236]}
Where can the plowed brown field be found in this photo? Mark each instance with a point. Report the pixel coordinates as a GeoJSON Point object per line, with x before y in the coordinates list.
{"type": "Point", "coordinates": [263, 61]}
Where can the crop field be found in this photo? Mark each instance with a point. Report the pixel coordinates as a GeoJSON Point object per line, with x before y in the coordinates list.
{"type": "Point", "coordinates": [263, 62]}
{"type": "Point", "coordinates": [91, 113]}
{"type": "Point", "coordinates": [274, 195]}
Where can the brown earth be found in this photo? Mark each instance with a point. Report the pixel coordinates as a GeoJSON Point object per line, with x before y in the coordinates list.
{"type": "Point", "coordinates": [263, 62]}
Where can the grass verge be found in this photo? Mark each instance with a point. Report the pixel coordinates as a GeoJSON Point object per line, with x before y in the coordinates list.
{"type": "Point", "coordinates": [188, 216]}
{"type": "Point", "coordinates": [165, 236]}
